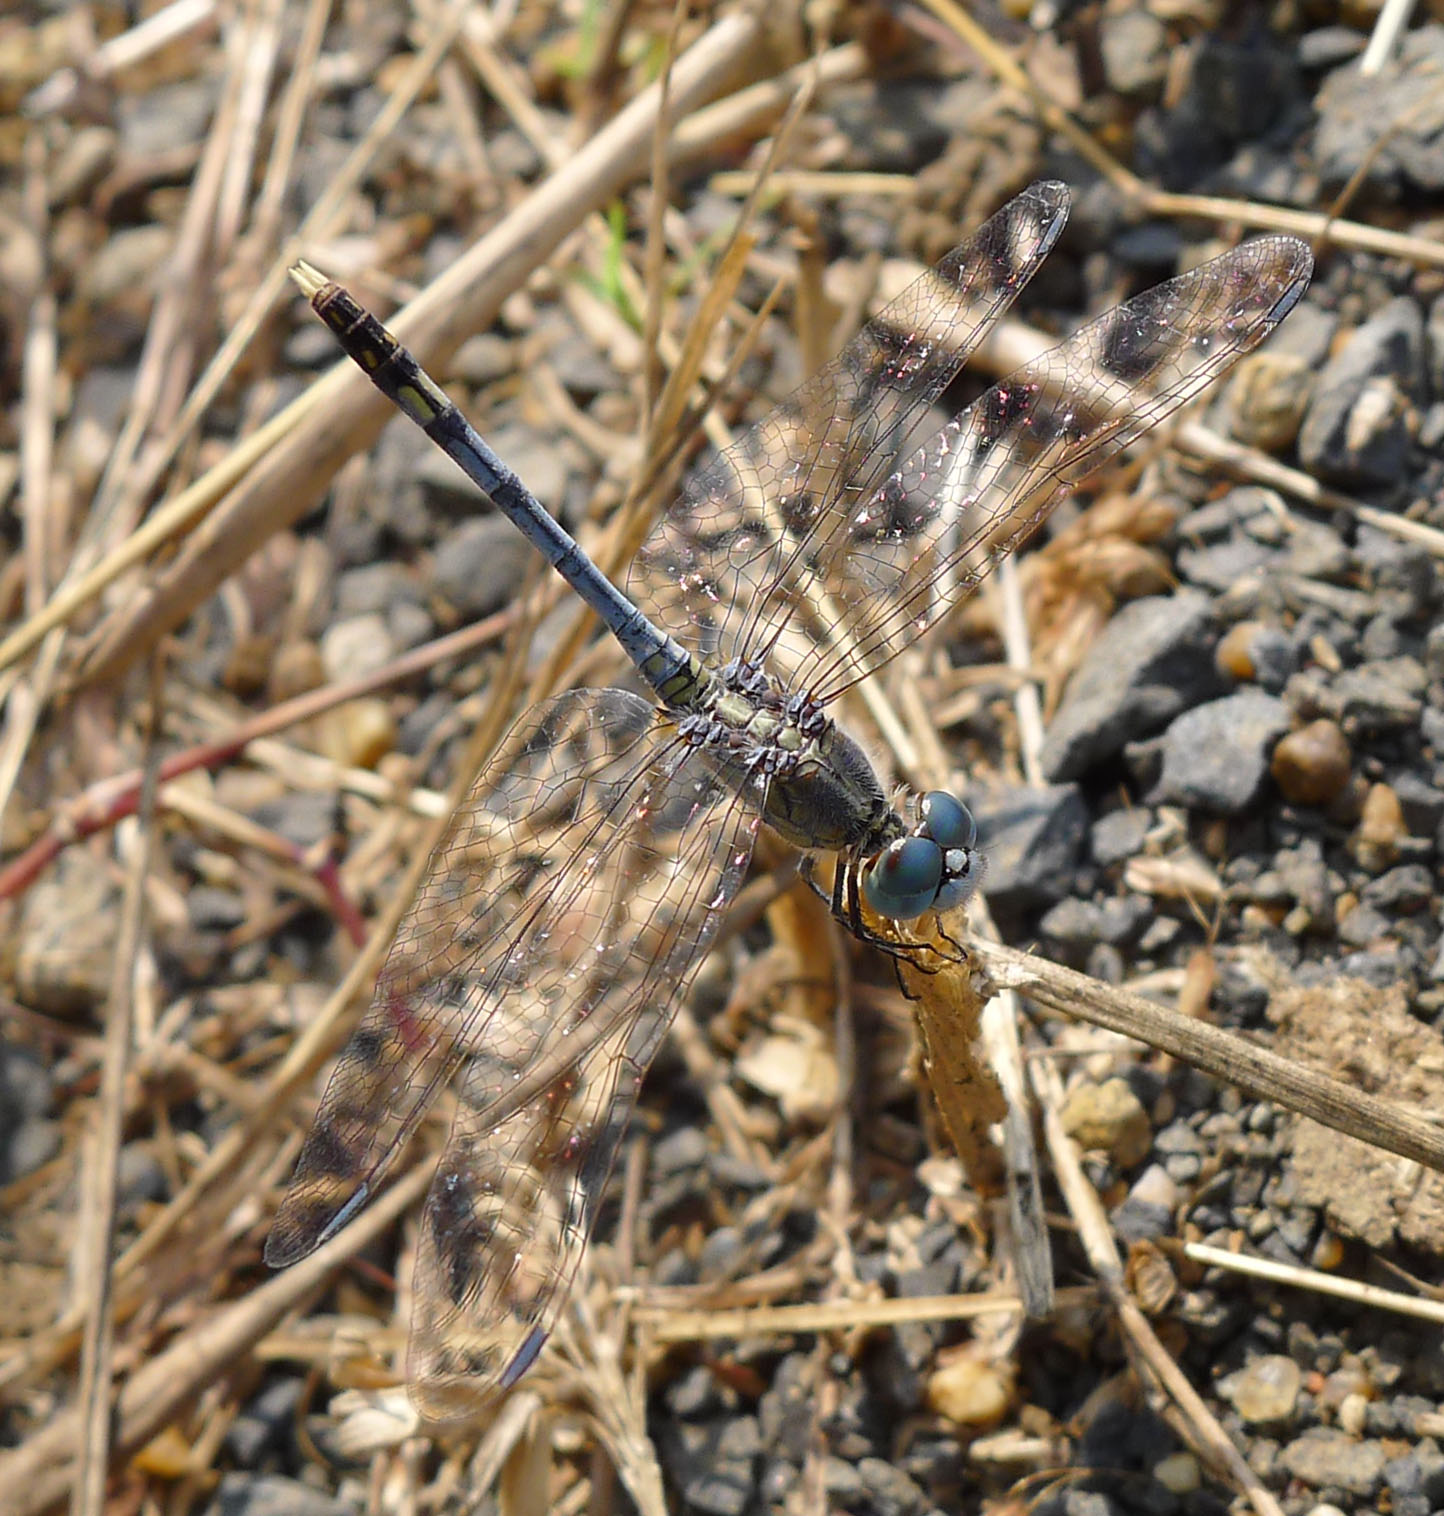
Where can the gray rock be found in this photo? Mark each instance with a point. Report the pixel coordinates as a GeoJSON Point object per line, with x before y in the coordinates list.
{"type": "Point", "coordinates": [1358, 423]}
{"type": "Point", "coordinates": [1080, 923]}
{"type": "Point", "coordinates": [356, 646]}
{"type": "Point", "coordinates": [1378, 696]}
{"type": "Point", "coordinates": [1421, 801]}
{"type": "Point", "coordinates": [889, 1492]}
{"type": "Point", "coordinates": [1402, 574]}
{"type": "Point", "coordinates": [270, 1495]}
{"type": "Point", "coordinates": [304, 817]}
{"type": "Point", "coordinates": [727, 1472]}
{"type": "Point", "coordinates": [1119, 835]}
{"type": "Point", "coordinates": [33, 1142]}
{"type": "Point", "coordinates": [1403, 890]}
{"type": "Point", "coordinates": [1307, 334]}
{"type": "Point", "coordinates": [265, 1423]}
{"type": "Point", "coordinates": [1216, 757]}
{"type": "Point", "coordinates": [373, 588]}
{"type": "Point", "coordinates": [1220, 566]}
{"type": "Point", "coordinates": [481, 565]}
{"type": "Point", "coordinates": [483, 359]}
{"type": "Point", "coordinates": [1135, 49]}
{"type": "Point", "coordinates": [1351, 108]}
{"type": "Point", "coordinates": [1328, 46]}
{"type": "Point", "coordinates": [1032, 839]}
{"type": "Point", "coordinates": [1325, 1458]}
{"type": "Point", "coordinates": [1154, 660]}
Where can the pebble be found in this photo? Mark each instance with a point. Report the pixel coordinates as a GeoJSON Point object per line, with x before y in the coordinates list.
{"type": "Point", "coordinates": [1148, 1209]}
{"type": "Point", "coordinates": [1312, 765]}
{"type": "Point", "coordinates": [358, 733]}
{"type": "Point", "coordinates": [1379, 696]}
{"type": "Point", "coordinates": [372, 589]}
{"type": "Point", "coordinates": [887, 1490]}
{"type": "Point", "coordinates": [1267, 399]}
{"type": "Point", "coordinates": [969, 1392]}
{"type": "Point", "coordinates": [1374, 843]}
{"type": "Point", "coordinates": [1253, 652]}
{"type": "Point", "coordinates": [1032, 839]}
{"type": "Point", "coordinates": [1404, 890]}
{"type": "Point", "coordinates": [1360, 417]}
{"type": "Point", "coordinates": [271, 1495]}
{"type": "Point", "coordinates": [1109, 1118]}
{"type": "Point", "coordinates": [1119, 835]}
{"type": "Point", "coordinates": [1216, 757]}
{"type": "Point", "coordinates": [1153, 660]}
{"type": "Point", "coordinates": [1081, 923]}
{"type": "Point", "coordinates": [482, 565]}
{"type": "Point", "coordinates": [1134, 48]}
{"type": "Point", "coordinates": [356, 647]}
{"type": "Point", "coordinates": [1351, 105]}
{"type": "Point", "coordinates": [1325, 1458]}
{"type": "Point", "coordinates": [1179, 1473]}
{"type": "Point", "coordinates": [1265, 1390]}
{"type": "Point", "coordinates": [65, 938]}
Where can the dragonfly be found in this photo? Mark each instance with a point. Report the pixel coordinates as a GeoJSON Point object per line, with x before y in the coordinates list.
{"type": "Point", "coordinates": [589, 870]}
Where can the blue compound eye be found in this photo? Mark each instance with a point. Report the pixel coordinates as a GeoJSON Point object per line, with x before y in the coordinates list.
{"type": "Point", "coordinates": [947, 821]}
{"type": "Point", "coordinates": [902, 881]}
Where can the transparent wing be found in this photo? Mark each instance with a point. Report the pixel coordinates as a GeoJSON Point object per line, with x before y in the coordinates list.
{"type": "Point", "coordinates": [545, 1101]}
{"type": "Point", "coordinates": [825, 573]}
{"type": "Point", "coordinates": [888, 567]}
{"type": "Point", "coordinates": [584, 878]}
{"type": "Point", "coordinates": [838, 436]}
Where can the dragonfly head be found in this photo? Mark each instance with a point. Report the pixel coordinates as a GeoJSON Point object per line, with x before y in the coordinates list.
{"type": "Point", "coordinates": [933, 867]}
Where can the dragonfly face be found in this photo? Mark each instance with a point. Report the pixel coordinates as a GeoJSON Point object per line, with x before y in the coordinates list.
{"type": "Point", "coordinates": [589, 870]}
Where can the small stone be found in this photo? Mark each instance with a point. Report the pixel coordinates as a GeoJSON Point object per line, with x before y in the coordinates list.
{"type": "Point", "coordinates": [483, 359]}
{"type": "Point", "coordinates": [482, 565]}
{"type": "Point", "coordinates": [296, 668]}
{"type": "Point", "coordinates": [1119, 835]}
{"type": "Point", "coordinates": [1147, 1210]}
{"type": "Point", "coordinates": [1312, 765]}
{"type": "Point", "coordinates": [1252, 652]}
{"type": "Point", "coordinates": [1352, 1414]}
{"type": "Point", "coordinates": [1268, 397]}
{"type": "Point", "coordinates": [888, 1490]}
{"type": "Point", "coordinates": [1135, 49]}
{"type": "Point", "coordinates": [1358, 423]}
{"type": "Point", "coordinates": [1179, 1473]}
{"type": "Point", "coordinates": [1379, 696]}
{"type": "Point", "coordinates": [355, 647]}
{"type": "Point", "coordinates": [1153, 660]}
{"type": "Point", "coordinates": [66, 938]}
{"type": "Point", "coordinates": [1216, 757]}
{"type": "Point", "coordinates": [358, 733]}
{"type": "Point", "coordinates": [372, 588]}
{"type": "Point", "coordinates": [1401, 891]}
{"type": "Point", "coordinates": [1324, 1457]}
{"type": "Point", "coordinates": [969, 1392]}
{"type": "Point", "coordinates": [1108, 1118]}
{"type": "Point", "coordinates": [1031, 837]}
{"type": "Point", "coordinates": [271, 1495]}
{"type": "Point", "coordinates": [1265, 1390]}
{"type": "Point", "coordinates": [1374, 843]}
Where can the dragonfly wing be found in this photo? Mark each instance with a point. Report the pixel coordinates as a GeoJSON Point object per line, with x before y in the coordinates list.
{"type": "Point", "coordinates": [891, 565]}
{"type": "Point", "coordinates": [727, 538]}
{"type": "Point", "coordinates": [544, 1101]}
{"type": "Point", "coordinates": [510, 907]}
